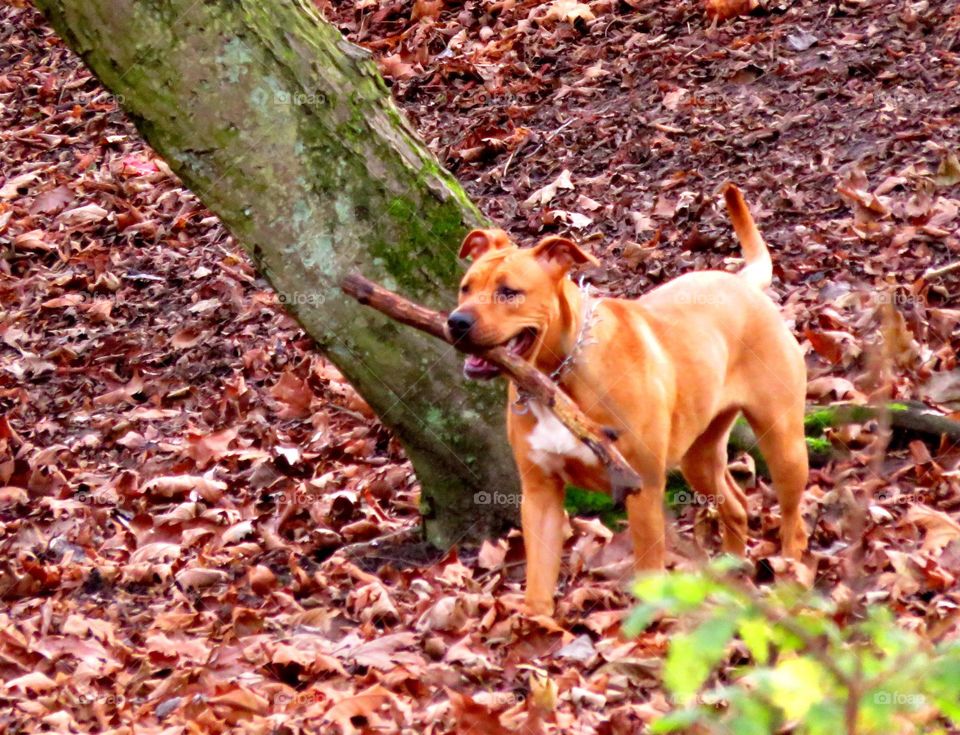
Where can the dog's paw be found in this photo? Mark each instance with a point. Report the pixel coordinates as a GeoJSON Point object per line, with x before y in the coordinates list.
{"type": "Point", "coordinates": [540, 607]}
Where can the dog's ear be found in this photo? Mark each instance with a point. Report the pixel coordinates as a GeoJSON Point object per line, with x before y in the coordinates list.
{"type": "Point", "coordinates": [562, 253]}
{"type": "Point", "coordinates": [479, 242]}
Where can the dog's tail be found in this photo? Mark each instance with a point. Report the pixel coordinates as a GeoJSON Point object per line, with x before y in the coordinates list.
{"type": "Point", "coordinates": [759, 268]}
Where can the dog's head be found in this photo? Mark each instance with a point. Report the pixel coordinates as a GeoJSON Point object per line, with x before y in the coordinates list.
{"type": "Point", "coordinates": [510, 297]}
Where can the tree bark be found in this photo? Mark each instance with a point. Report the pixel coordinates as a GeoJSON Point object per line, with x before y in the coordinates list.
{"type": "Point", "coordinates": [288, 133]}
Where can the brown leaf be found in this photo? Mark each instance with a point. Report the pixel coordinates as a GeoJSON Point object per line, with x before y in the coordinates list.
{"type": "Point", "coordinates": [123, 394]}
{"type": "Point", "coordinates": [261, 579]}
{"type": "Point", "coordinates": [199, 578]}
{"type": "Point", "coordinates": [360, 706]}
{"type": "Point", "coordinates": [569, 11]}
{"type": "Point", "coordinates": [726, 9]}
{"type": "Point", "coordinates": [394, 67]}
{"type": "Point", "coordinates": [170, 485]}
{"type": "Point", "coordinates": [294, 394]}
{"type": "Point", "coordinates": [35, 682]}
{"type": "Point", "coordinates": [242, 699]}
{"type": "Point", "coordinates": [544, 194]}
{"type": "Point", "coordinates": [52, 201]}
{"type": "Point", "coordinates": [941, 529]}
{"type": "Point", "coordinates": [473, 717]}
{"type": "Point", "coordinates": [85, 215]}
{"type": "Point", "coordinates": [206, 448]}
{"type": "Point", "coordinates": [429, 9]}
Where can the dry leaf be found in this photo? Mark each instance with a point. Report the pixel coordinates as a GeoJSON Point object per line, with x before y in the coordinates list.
{"type": "Point", "coordinates": [361, 705]}
{"type": "Point", "coordinates": [170, 485]}
{"type": "Point", "coordinates": [545, 194]}
{"type": "Point", "coordinates": [80, 216]}
{"type": "Point", "coordinates": [726, 9]}
{"type": "Point", "coordinates": [569, 11]}
{"type": "Point", "coordinates": [941, 529]}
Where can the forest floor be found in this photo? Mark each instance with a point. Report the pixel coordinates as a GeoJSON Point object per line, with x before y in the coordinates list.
{"type": "Point", "coordinates": [178, 466]}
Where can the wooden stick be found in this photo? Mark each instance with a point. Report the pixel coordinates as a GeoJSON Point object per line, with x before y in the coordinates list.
{"type": "Point", "coordinates": [623, 479]}
{"type": "Point", "coordinates": [943, 270]}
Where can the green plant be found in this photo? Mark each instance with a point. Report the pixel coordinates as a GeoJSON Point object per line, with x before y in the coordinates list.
{"type": "Point", "coordinates": [580, 502]}
{"type": "Point", "coordinates": [806, 668]}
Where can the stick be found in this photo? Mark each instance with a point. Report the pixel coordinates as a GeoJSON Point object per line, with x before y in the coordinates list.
{"type": "Point", "coordinates": [909, 417]}
{"type": "Point", "coordinates": [623, 479]}
{"type": "Point", "coordinates": [943, 270]}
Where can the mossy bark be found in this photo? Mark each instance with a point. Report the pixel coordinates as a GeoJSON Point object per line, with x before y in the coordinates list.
{"type": "Point", "coordinates": [288, 133]}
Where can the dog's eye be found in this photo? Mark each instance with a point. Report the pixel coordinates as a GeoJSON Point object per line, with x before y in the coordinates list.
{"type": "Point", "coordinates": [507, 293]}
{"type": "Point", "coordinates": [464, 289]}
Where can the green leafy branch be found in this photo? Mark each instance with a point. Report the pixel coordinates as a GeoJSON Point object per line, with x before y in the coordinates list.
{"type": "Point", "coordinates": [801, 669]}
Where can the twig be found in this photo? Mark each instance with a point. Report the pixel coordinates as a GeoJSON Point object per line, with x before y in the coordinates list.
{"type": "Point", "coordinates": [943, 270]}
{"type": "Point", "coordinates": [363, 548]}
{"type": "Point", "coordinates": [623, 479]}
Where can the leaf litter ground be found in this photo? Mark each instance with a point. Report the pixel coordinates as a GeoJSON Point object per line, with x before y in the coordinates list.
{"type": "Point", "coordinates": [178, 467]}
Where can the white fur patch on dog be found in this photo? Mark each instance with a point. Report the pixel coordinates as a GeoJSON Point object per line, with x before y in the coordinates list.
{"type": "Point", "coordinates": [552, 444]}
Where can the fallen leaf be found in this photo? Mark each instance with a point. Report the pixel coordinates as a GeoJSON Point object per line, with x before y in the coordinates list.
{"type": "Point", "coordinates": [726, 9]}
{"type": "Point", "coordinates": [569, 11]}
{"type": "Point", "coordinates": [35, 682]}
{"type": "Point", "coordinates": [80, 216]}
{"type": "Point", "coordinates": [359, 706]}
{"type": "Point", "coordinates": [546, 193]}
{"type": "Point", "coordinates": [168, 486]}
{"type": "Point", "coordinates": [941, 529]}
{"type": "Point", "coordinates": [948, 173]}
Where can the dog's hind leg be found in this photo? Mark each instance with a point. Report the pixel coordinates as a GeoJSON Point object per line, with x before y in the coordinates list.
{"type": "Point", "coordinates": [783, 445]}
{"type": "Point", "coordinates": [704, 467]}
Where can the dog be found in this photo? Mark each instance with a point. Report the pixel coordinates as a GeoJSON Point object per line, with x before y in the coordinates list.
{"type": "Point", "coordinates": [666, 374]}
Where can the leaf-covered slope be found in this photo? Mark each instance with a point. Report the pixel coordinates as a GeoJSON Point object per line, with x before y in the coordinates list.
{"type": "Point", "coordinates": [177, 467]}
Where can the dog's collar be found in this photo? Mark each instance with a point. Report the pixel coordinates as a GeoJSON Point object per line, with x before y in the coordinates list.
{"type": "Point", "coordinates": [588, 317]}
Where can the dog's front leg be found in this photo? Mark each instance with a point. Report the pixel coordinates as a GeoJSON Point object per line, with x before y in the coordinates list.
{"type": "Point", "coordinates": [647, 529]}
{"type": "Point", "coordinates": [542, 518]}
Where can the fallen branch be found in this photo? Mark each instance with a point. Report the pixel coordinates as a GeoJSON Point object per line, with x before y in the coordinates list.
{"type": "Point", "coordinates": [909, 417]}
{"type": "Point", "coordinates": [529, 380]}
{"type": "Point", "coordinates": [363, 548]}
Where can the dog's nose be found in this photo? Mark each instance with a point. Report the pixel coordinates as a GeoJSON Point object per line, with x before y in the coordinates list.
{"type": "Point", "coordinates": [459, 324]}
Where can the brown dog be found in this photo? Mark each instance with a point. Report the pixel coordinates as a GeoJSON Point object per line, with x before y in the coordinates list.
{"type": "Point", "coordinates": [668, 373]}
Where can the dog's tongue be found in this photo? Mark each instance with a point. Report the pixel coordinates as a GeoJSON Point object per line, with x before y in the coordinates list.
{"type": "Point", "coordinates": [476, 367]}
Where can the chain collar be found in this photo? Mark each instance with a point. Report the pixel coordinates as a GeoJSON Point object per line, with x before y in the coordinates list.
{"type": "Point", "coordinates": [583, 339]}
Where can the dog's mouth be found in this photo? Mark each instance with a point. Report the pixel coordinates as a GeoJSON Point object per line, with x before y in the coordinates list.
{"type": "Point", "coordinates": [476, 368]}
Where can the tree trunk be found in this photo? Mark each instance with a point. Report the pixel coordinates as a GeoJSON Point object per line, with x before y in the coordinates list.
{"type": "Point", "coordinates": [288, 133]}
